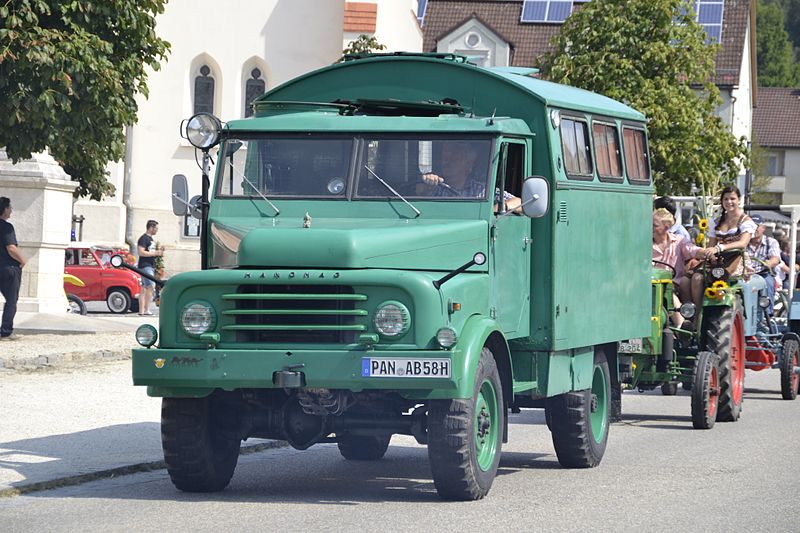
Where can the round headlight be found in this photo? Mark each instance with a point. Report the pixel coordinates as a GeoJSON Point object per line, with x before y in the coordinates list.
{"type": "Point", "coordinates": [146, 335]}
{"type": "Point", "coordinates": [718, 272]}
{"type": "Point", "coordinates": [392, 319]}
{"type": "Point", "coordinates": [202, 130]}
{"type": "Point", "coordinates": [446, 337]}
{"type": "Point", "coordinates": [198, 318]}
{"type": "Point", "coordinates": [687, 310]}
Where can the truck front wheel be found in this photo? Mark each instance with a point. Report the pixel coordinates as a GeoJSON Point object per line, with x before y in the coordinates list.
{"type": "Point", "coordinates": [198, 454]}
{"type": "Point", "coordinates": [465, 436]}
{"type": "Point", "coordinates": [579, 420]}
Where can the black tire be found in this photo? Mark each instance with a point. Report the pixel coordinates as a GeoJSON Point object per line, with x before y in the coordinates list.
{"type": "Point", "coordinates": [790, 357]}
{"type": "Point", "coordinates": [363, 448]}
{"type": "Point", "coordinates": [198, 457]}
{"type": "Point", "coordinates": [615, 413]}
{"type": "Point", "coordinates": [669, 389]}
{"type": "Point", "coordinates": [721, 326]}
{"type": "Point", "coordinates": [705, 390]}
{"type": "Point", "coordinates": [76, 305]}
{"type": "Point", "coordinates": [465, 437]}
{"type": "Point", "coordinates": [579, 420]}
{"type": "Point", "coordinates": [118, 301]}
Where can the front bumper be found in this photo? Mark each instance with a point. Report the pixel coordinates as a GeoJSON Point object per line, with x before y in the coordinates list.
{"type": "Point", "coordinates": [181, 372]}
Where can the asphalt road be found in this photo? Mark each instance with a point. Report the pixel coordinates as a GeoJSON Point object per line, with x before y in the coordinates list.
{"type": "Point", "coordinates": [658, 474]}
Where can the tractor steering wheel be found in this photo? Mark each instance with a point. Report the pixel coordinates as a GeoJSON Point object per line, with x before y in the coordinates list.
{"type": "Point", "coordinates": [670, 267]}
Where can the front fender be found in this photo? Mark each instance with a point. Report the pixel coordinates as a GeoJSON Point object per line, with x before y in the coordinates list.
{"type": "Point", "coordinates": [476, 331]}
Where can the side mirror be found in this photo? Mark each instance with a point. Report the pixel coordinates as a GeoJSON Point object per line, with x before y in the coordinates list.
{"type": "Point", "coordinates": [180, 195]}
{"type": "Point", "coordinates": [535, 197]}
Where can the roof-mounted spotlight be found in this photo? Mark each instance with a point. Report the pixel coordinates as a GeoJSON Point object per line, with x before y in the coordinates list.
{"type": "Point", "coordinates": [202, 130]}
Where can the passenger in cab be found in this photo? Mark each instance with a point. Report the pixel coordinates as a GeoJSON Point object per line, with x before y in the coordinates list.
{"type": "Point", "coordinates": [731, 231]}
{"type": "Point", "coordinates": [673, 250]}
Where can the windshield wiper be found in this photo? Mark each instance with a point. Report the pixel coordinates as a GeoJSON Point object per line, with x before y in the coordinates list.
{"type": "Point", "coordinates": [393, 191]}
{"type": "Point", "coordinates": [241, 175]}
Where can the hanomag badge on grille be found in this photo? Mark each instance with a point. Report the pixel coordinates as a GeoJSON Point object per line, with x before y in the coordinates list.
{"type": "Point", "coordinates": [390, 367]}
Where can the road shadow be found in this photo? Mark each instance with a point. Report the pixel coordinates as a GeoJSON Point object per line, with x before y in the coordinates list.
{"type": "Point", "coordinates": [43, 459]}
{"type": "Point", "coordinates": [647, 421]}
{"type": "Point", "coordinates": [315, 476]}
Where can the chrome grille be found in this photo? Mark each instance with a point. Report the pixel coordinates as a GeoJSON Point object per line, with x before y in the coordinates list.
{"type": "Point", "coordinates": [282, 314]}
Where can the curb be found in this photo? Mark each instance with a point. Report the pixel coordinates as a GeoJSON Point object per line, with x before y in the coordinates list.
{"type": "Point", "coordinates": [80, 479]}
{"type": "Point", "coordinates": [41, 362]}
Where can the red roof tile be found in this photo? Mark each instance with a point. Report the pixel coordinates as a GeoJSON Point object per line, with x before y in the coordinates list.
{"type": "Point", "coordinates": [360, 17]}
{"type": "Point", "coordinates": [530, 40]}
{"type": "Point", "coordinates": [776, 120]}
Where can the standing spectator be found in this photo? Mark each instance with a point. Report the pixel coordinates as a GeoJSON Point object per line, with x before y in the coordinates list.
{"type": "Point", "coordinates": [147, 262]}
{"type": "Point", "coordinates": [665, 202]}
{"type": "Point", "coordinates": [11, 263]}
{"type": "Point", "coordinates": [765, 255]}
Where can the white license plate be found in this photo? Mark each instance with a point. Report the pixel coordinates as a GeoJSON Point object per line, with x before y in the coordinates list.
{"type": "Point", "coordinates": [631, 346]}
{"type": "Point", "coordinates": [391, 367]}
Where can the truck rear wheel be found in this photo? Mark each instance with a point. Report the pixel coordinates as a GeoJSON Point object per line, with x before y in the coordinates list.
{"type": "Point", "coordinates": [705, 390]}
{"type": "Point", "coordinates": [199, 457]}
{"type": "Point", "coordinates": [724, 335]}
{"type": "Point", "coordinates": [465, 436]}
{"type": "Point", "coordinates": [579, 420]}
{"type": "Point", "coordinates": [363, 448]}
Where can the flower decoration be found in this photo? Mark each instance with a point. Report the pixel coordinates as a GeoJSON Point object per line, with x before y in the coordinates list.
{"type": "Point", "coordinates": [711, 293]}
{"type": "Point", "coordinates": [700, 239]}
{"type": "Point", "coordinates": [703, 225]}
{"type": "Point", "coordinates": [719, 284]}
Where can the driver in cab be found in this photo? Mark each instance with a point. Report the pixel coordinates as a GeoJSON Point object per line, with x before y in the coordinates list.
{"type": "Point", "coordinates": [674, 250]}
{"type": "Point", "coordinates": [459, 177]}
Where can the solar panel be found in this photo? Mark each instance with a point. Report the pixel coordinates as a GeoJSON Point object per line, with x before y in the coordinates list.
{"type": "Point", "coordinates": [709, 15]}
{"type": "Point", "coordinates": [545, 11]}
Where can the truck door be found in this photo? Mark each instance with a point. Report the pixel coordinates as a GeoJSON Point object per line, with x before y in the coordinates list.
{"type": "Point", "coordinates": [510, 247]}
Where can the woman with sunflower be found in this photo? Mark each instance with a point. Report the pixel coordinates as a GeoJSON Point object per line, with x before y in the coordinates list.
{"type": "Point", "coordinates": [731, 231]}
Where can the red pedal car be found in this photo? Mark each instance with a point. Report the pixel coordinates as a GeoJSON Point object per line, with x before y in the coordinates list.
{"type": "Point", "coordinates": [119, 288]}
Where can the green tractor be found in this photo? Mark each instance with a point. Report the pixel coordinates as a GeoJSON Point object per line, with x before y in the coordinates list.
{"type": "Point", "coordinates": [707, 360]}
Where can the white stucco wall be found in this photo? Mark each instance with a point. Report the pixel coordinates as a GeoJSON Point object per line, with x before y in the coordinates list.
{"type": "Point", "coordinates": [283, 38]}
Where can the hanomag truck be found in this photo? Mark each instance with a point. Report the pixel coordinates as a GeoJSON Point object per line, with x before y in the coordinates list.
{"type": "Point", "coordinates": [354, 287]}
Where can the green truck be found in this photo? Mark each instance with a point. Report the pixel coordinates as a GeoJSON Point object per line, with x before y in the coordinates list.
{"type": "Point", "coordinates": [354, 287]}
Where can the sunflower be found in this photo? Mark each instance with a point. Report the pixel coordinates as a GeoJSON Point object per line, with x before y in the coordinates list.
{"type": "Point", "coordinates": [703, 224]}
{"type": "Point", "coordinates": [719, 284]}
{"type": "Point", "coordinates": [700, 239]}
{"type": "Point", "coordinates": [711, 293]}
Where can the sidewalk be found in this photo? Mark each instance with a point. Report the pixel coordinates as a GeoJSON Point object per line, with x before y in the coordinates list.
{"type": "Point", "coordinates": [50, 340]}
{"type": "Point", "coordinates": [76, 416]}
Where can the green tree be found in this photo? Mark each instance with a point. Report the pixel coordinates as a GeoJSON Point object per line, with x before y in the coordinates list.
{"type": "Point", "coordinates": [652, 55]}
{"type": "Point", "coordinates": [363, 44]}
{"type": "Point", "coordinates": [69, 74]}
{"type": "Point", "coordinates": [775, 55]}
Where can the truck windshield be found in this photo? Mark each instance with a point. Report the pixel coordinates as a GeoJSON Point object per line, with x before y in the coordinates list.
{"type": "Point", "coordinates": [338, 167]}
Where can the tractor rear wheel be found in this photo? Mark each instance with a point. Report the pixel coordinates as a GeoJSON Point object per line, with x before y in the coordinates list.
{"type": "Point", "coordinates": [724, 335]}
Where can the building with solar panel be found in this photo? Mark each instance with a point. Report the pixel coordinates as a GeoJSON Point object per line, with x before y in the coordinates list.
{"type": "Point", "coordinates": [516, 32]}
